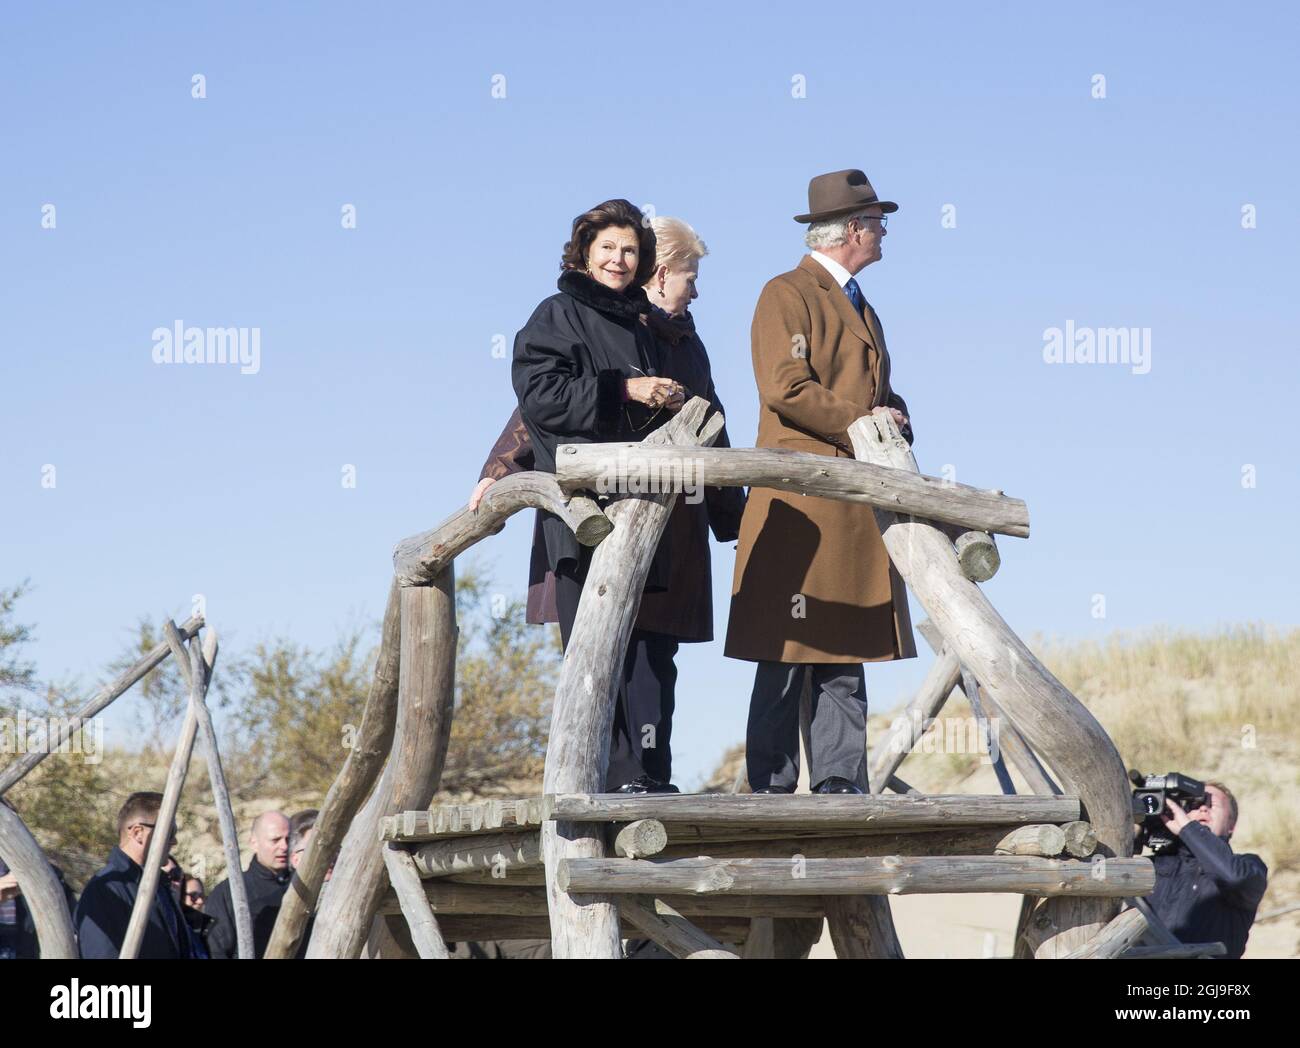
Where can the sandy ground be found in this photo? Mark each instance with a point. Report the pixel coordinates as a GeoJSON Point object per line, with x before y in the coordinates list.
{"type": "Point", "coordinates": [949, 925]}
{"type": "Point", "coordinates": [982, 926]}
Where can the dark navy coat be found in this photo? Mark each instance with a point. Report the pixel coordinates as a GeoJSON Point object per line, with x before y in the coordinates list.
{"type": "Point", "coordinates": [105, 910]}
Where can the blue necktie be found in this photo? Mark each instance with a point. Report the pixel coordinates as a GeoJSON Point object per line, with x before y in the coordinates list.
{"type": "Point", "coordinates": [855, 295]}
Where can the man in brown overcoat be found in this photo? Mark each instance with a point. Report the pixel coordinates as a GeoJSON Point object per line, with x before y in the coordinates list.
{"type": "Point", "coordinates": [814, 591]}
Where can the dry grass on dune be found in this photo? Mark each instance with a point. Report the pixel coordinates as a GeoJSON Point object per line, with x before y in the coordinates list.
{"type": "Point", "coordinates": [1217, 705]}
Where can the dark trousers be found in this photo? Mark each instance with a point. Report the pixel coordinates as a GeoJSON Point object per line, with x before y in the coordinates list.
{"type": "Point", "coordinates": [837, 743]}
{"type": "Point", "coordinates": [641, 743]}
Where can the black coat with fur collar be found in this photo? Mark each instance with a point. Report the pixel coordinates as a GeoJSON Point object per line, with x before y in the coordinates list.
{"type": "Point", "coordinates": [570, 362]}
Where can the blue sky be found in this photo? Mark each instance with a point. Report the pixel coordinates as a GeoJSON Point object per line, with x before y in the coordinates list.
{"type": "Point", "coordinates": [376, 342]}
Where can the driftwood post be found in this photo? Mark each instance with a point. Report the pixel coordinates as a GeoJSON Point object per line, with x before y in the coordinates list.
{"type": "Point", "coordinates": [405, 879]}
{"type": "Point", "coordinates": [41, 889]}
{"type": "Point", "coordinates": [578, 749]}
{"type": "Point", "coordinates": [425, 689]}
{"type": "Point", "coordinates": [171, 799]}
{"type": "Point", "coordinates": [191, 666]}
{"type": "Point", "coordinates": [97, 703]}
{"type": "Point", "coordinates": [361, 769]}
{"type": "Point", "coordinates": [1114, 939]}
{"type": "Point", "coordinates": [1050, 719]}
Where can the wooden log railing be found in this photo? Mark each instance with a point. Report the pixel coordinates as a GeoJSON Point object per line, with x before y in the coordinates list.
{"type": "Point", "coordinates": [418, 560]}
{"type": "Point", "coordinates": [588, 466]}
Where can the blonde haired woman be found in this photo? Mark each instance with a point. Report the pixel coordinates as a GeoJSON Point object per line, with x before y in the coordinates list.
{"type": "Point", "coordinates": [677, 605]}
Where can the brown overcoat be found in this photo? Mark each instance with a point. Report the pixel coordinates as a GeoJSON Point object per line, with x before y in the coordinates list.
{"type": "Point", "coordinates": [813, 582]}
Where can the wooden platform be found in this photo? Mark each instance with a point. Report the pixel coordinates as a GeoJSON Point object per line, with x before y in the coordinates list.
{"type": "Point", "coordinates": [710, 863]}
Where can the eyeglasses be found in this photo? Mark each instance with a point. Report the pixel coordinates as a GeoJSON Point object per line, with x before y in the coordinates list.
{"type": "Point", "coordinates": [882, 219]}
{"type": "Point", "coordinates": [193, 896]}
{"type": "Point", "coordinates": [150, 826]}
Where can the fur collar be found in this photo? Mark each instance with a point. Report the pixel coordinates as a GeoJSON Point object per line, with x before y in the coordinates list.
{"type": "Point", "coordinates": [670, 328]}
{"type": "Point", "coordinates": [624, 304]}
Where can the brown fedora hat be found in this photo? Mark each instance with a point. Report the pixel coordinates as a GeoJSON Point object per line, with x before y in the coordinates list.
{"type": "Point", "coordinates": [841, 193]}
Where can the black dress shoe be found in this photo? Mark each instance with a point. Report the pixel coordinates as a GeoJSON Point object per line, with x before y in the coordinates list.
{"type": "Point", "coordinates": [775, 789]}
{"type": "Point", "coordinates": [835, 784]}
{"type": "Point", "coordinates": [645, 784]}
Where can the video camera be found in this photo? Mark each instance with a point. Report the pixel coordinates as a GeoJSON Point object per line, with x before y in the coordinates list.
{"type": "Point", "coordinates": [1149, 795]}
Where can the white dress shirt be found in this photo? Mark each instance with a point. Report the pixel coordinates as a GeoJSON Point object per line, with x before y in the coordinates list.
{"type": "Point", "coordinates": [842, 276]}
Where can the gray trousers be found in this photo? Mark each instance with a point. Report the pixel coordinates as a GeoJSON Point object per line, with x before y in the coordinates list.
{"type": "Point", "coordinates": [837, 742]}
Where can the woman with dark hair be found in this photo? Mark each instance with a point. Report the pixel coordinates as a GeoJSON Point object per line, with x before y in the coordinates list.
{"type": "Point", "coordinates": [555, 360]}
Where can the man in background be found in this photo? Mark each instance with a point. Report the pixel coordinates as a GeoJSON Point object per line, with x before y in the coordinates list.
{"type": "Point", "coordinates": [1204, 892]}
{"type": "Point", "coordinates": [105, 908]}
{"type": "Point", "coordinates": [265, 882]}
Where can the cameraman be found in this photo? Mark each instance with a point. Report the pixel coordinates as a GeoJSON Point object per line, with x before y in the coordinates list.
{"type": "Point", "coordinates": [1204, 892]}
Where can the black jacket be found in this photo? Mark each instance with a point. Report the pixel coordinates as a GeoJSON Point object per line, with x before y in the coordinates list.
{"type": "Point", "coordinates": [200, 925]}
{"type": "Point", "coordinates": [1205, 893]}
{"type": "Point", "coordinates": [570, 362]}
{"type": "Point", "coordinates": [684, 609]}
{"type": "Point", "coordinates": [265, 889]}
{"type": "Point", "coordinates": [105, 910]}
